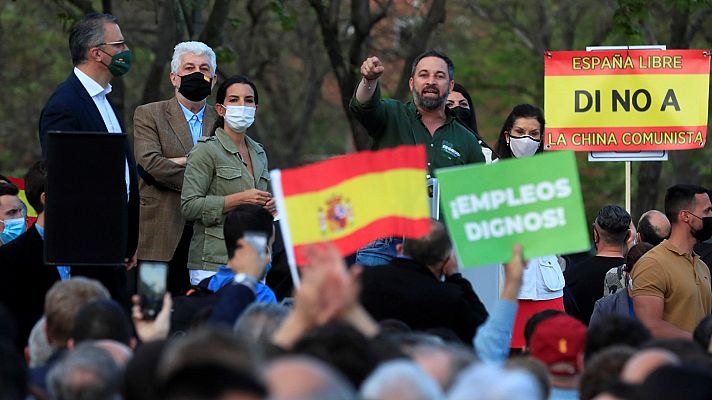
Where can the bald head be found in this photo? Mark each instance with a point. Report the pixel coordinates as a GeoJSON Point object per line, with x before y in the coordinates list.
{"type": "Point", "coordinates": [653, 227]}
{"type": "Point", "coordinates": [644, 363]}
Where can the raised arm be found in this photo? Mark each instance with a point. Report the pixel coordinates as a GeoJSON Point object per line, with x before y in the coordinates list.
{"type": "Point", "coordinates": [371, 70]}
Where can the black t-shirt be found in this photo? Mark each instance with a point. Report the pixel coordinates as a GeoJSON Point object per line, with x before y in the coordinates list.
{"type": "Point", "coordinates": [584, 282]}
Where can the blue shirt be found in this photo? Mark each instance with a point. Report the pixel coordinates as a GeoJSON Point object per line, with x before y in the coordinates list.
{"type": "Point", "coordinates": [64, 272]}
{"type": "Point", "coordinates": [195, 122]}
{"type": "Point", "coordinates": [263, 294]}
{"type": "Point", "coordinates": [493, 338]}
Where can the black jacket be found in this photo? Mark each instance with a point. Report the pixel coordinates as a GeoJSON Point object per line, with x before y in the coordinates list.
{"type": "Point", "coordinates": [26, 280]}
{"type": "Point", "coordinates": [408, 291]}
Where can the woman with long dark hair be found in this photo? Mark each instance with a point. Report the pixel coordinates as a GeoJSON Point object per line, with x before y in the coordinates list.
{"type": "Point", "coordinates": [223, 171]}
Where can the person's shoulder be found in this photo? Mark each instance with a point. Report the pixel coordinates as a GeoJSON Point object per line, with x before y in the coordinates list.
{"type": "Point", "coordinates": [156, 105]}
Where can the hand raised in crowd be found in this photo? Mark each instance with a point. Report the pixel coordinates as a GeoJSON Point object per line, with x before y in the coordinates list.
{"type": "Point", "coordinates": [149, 330]}
{"type": "Point", "coordinates": [513, 271]}
{"type": "Point", "coordinates": [247, 260]}
{"type": "Point", "coordinates": [372, 68]}
{"type": "Point", "coordinates": [328, 291]}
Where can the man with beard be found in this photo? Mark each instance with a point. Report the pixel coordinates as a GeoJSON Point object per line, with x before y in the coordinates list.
{"type": "Point", "coordinates": [671, 285]}
{"type": "Point", "coordinates": [425, 121]}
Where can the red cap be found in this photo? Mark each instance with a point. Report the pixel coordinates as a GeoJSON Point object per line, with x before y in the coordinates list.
{"type": "Point", "coordinates": [559, 340]}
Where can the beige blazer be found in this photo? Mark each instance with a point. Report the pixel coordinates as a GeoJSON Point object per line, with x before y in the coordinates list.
{"type": "Point", "coordinates": [161, 132]}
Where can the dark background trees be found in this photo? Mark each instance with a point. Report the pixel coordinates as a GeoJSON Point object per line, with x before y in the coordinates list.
{"type": "Point", "coordinates": [304, 56]}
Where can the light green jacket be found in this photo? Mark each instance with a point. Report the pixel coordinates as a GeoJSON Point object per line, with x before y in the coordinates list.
{"type": "Point", "coordinates": [214, 170]}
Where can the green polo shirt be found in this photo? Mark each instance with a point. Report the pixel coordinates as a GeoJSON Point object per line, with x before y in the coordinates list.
{"type": "Point", "coordinates": [392, 123]}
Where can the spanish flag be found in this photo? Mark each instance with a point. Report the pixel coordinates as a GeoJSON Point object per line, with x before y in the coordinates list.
{"type": "Point", "coordinates": [352, 200]}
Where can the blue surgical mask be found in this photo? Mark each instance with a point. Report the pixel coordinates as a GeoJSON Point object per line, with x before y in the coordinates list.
{"type": "Point", "coordinates": [13, 228]}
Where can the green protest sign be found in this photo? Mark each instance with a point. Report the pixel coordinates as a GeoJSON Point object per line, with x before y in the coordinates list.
{"type": "Point", "coordinates": [535, 201]}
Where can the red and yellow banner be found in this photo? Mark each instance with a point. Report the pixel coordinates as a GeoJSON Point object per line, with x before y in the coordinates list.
{"type": "Point", "coordinates": [626, 100]}
{"type": "Point", "coordinates": [352, 200]}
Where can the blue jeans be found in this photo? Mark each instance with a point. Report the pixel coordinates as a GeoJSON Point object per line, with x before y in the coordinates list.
{"type": "Point", "coordinates": [379, 252]}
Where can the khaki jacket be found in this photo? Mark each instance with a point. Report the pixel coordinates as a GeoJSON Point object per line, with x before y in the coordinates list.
{"type": "Point", "coordinates": [215, 169]}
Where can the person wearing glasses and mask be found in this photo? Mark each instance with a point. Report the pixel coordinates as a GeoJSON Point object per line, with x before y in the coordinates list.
{"type": "Point", "coordinates": [164, 133]}
{"type": "Point", "coordinates": [80, 103]}
{"type": "Point", "coordinates": [542, 281]}
{"type": "Point", "coordinates": [222, 172]}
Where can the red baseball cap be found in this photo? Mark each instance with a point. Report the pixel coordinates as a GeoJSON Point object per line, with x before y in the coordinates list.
{"type": "Point", "coordinates": [558, 342]}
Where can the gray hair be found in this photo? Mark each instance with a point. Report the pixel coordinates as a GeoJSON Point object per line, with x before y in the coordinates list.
{"type": "Point", "coordinates": [87, 33]}
{"type": "Point", "coordinates": [40, 350]}
{"type": "Point", "coordinates": [492, 382]}
{"type": "Point", "coordinates": [86, 373]}
{"type": "Point", "coordinates": [259, 321]}
{"type": "Point", "coordinates": [400, 379]}
{"type": "Point", "coordinates": [197, 48]}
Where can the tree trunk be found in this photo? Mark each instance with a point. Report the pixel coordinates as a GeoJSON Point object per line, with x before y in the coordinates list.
{"type": "Point", "coordinates": [162, 50]}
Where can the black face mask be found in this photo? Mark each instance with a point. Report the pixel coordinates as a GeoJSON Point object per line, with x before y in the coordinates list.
{"type": "Point", "coordinates": [706, 232]}
{"type": "Point", "coordinates": [464, 115]}
{"type": "Point", "coordinates": [195, 86]}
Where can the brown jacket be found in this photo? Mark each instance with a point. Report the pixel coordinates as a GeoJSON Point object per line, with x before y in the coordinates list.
{"type": "Point", "coordinates": [161, 132]}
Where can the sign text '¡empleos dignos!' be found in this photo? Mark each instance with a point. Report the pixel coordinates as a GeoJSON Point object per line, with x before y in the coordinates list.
{"type": "Point", "coordinates": [515, 223]}
{"type": "Point", "coordinates": [526, 194]}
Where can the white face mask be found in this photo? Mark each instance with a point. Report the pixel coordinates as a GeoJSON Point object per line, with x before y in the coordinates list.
{"type": "Point", "coordinates": [239, 118]}
{"type": "Point", "coordinates": [523, 146]}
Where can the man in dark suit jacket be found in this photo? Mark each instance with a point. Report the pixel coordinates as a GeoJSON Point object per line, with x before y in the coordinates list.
{"type": "Point", "coordinates": [409, 288]}
{"type": "Point", "coordinates": [80, 104]}
{"type": "Point", "coordinates": [26, 279]}
{"type": "Point", "coordinates": [164, 133]}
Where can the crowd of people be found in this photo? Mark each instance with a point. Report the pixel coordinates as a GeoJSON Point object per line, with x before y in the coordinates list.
{"type": "Point", "coordinates": [632, 321]}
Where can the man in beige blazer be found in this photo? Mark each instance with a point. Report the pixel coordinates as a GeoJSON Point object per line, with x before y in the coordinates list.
{"type": "Point", "coordinates": [164, 133]}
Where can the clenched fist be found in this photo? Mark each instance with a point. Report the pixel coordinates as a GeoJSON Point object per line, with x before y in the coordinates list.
{"type": "Point", "coordinates": [372, 68]}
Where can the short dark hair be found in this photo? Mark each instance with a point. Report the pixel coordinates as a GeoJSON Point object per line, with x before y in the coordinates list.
{"type": "Point", "coordinates": [244, 218]}
{"type": "Point", "coordinates": [88, 33]}
{"type": "Point", "coordinates": [8, 189]}
{"type": "Point", "coordinates": [614, 329]}
{"type": "Point", "coordinates": [430, 249]}
{"type": "Point", "coordinates": [438, 54]}
{"type": "Point", "coordinates": [209, 381]}
{"type": "Point", "coordinates": [614, 222]}
{"type": "Point", "coordinates": [519, 111]}
{"type": "Point", "coordinates": [680, 197]}
{"type": "Point", "coordinates": [35, 185]}
{"type": "Point", "coordinates": [648, 232]}
{"type": "Point", "coordinates": [222, 92]}
{"type": "Point", "coordinates": [102, 319]}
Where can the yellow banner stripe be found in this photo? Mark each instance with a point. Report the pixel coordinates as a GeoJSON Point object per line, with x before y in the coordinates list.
{"type": "Point", "coordinates": [689, 90]}
{"type": "Point", "coordinates": [363, 199]}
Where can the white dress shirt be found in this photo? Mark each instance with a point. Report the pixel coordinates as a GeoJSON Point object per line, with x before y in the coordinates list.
{"type": "Point", "coordinates": [98, 94]}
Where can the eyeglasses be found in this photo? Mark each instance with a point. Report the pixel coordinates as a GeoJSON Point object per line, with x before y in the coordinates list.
{"type": "Point", "coordinates": [117, 43]}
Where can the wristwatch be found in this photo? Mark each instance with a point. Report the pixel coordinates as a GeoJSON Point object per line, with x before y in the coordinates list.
{"type": "Point", "coordinates": [247, 280]}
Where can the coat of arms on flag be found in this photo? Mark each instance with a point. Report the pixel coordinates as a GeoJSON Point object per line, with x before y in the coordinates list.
{"type": "Point", "coordinates": [352, 200]}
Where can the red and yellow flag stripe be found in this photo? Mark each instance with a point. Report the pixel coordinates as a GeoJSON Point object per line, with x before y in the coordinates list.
{"type": "Point", "coordinates": [352, 200]}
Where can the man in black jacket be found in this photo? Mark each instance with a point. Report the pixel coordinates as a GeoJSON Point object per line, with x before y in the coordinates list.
{"type": "Point", "coordinates": [26, 277]}
{"type": "Point", "coordinates": [411, 288]}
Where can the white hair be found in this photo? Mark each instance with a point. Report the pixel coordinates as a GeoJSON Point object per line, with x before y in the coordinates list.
{"type": "Point", "coordinates": [197, 48]}
{"type": "Point", "coordinates": [491, 382]}
{"type": "Point", "coordinates": [400, 379]}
